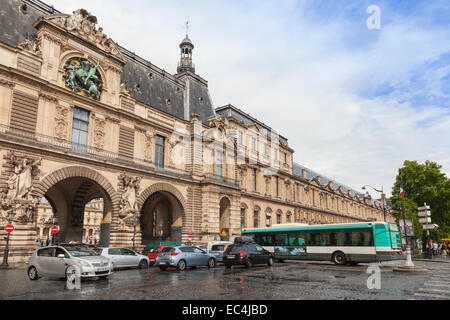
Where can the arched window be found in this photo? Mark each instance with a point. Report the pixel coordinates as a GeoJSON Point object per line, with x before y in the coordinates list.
{"type": "Point", "coordinates": [288, 217]}
{"type": "Point", "coordinates": [256, 217]}
{"type": "Point", "coordinates": [268, 217]}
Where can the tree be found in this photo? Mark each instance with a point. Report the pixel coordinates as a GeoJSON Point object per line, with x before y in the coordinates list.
{"type": "Point", "coordinates": [424, 183]}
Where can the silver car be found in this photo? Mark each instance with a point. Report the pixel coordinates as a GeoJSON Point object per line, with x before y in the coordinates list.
{"type": "Point", "coordinates": [125, 257]}
{"type": "Point", "coordinates": [59, 261]}
{"type": "Point", "coordinates": [184, 256]}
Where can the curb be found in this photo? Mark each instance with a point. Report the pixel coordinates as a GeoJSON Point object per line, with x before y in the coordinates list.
{"type": "Point", "coordinates": [430, 260]}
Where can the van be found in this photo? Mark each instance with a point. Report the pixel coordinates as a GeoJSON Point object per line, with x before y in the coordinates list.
{"type": "Point", "coordinates": [217, 248]}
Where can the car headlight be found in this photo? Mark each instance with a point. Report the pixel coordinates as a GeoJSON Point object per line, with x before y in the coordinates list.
{"type": "Point", "coordinates": [84, 263]}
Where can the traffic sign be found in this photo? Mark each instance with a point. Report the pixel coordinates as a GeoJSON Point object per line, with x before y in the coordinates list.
{"type": "Point", "coordinates": [430, 226]}
{"type": "Point", "coordinates": [425, 220]}
{"type": "Point", "coordinates": [55, 229]}
{"type": "Point", "coordinates": [224, 233]}
{"type": "Point", "coordinates": [190, 234]}
{"type": "Point", "coordinates": [424, 208]}
{"type": "Point", "coordinates": [9, 228]}
{"type": "Point", "coordinates": [424, 214]}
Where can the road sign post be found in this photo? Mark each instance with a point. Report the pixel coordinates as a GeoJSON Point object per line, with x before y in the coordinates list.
{"type": "Point", "coordinates": [9, 229]}
{"type": "Point", "coordinates": [425, 214]}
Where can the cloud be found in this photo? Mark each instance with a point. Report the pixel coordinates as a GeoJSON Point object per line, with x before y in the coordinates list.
{"type": "Point", "coordinates": [353, 103]}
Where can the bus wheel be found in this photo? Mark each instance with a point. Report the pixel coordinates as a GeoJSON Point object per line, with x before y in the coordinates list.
{"type": "Point", "coordinates": [339, 259]}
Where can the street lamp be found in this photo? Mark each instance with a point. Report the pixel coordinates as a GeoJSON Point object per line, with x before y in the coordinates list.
{"type": "Point", "coordinates": [6, 254]}
{"type": "Point", "coordinates": [383, 198]}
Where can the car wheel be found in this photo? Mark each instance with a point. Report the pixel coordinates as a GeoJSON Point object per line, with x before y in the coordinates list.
{"type": "Point", "coordinates": [211, 263]}
{"type": "Point", "coordinates": [143, 264]}
{"type": "Point", "coordinates": [270, 261]}
{"type": "Point", "coordinates": [339, 259]}
{"type": "Point", "coordinates": [32, 273]}
{"type": "Point", "coordinates": [181, 266]}
{"type": "Point", "coordinates": [163, 268]}
{"type": "Point", "coordinates": [248, 264]}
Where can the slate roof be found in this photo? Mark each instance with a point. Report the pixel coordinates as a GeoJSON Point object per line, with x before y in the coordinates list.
{"type": "Point", "coordinates": [161, 90]}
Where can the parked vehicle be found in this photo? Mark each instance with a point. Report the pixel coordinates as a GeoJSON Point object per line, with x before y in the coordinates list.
{"type": "Point", "coordinates": [60, 261]}
{"type": "Point", "coordinates": [212, 243]}
{"type": "Point", "coordinates": [183, 257]}
{"type": "Point", "coordinates": [154, 252]}
{"type": "Point", "coordinates": [218, 249]}
{"type": "Point", "coordinates": [125, 257]}
{"type": "Point", "coordinates": [246, 252]}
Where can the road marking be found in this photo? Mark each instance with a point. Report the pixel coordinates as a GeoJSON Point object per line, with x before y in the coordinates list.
{"type": "Point", "coordinates": [434, 290]}
{"type": "Point", "coordinates": [432, 296]}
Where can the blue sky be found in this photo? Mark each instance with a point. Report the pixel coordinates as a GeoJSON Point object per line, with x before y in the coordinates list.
{"type": "Point", "coordinates": [353, 102]}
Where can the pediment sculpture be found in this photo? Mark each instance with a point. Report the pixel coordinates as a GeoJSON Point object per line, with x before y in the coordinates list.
{"type": "Point", "coordinates": [83, 24]}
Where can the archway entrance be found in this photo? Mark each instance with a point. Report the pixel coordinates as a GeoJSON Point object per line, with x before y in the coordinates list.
{"type": "Point", "coordinates": [82, 209]}
{"type": "Point", "coordinates": [224, 217]}
{"type": "Point", "coordinates": [161, 218]}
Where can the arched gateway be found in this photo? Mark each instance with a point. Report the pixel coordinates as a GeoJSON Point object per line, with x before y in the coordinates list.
{"type": "Point", "coordinates": [162, 213]}
{"type": "Point", "coordinates": [69, 190]}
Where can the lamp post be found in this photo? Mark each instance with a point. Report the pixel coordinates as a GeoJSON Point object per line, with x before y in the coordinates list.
{"type": "Point", "coordinates": [55, 223]}
{"type": "Point", "coordinates": [383, 198]}
{"type": "Point", "coordinates": [135, 220]}
{"type": "Point", "coordinates": [6, 254]}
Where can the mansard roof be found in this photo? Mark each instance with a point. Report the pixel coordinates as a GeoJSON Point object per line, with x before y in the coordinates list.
{"type": "Point", "coordinates": [150, 85]}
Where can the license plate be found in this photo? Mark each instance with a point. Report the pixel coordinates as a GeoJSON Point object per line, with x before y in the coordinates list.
{"type": "Point", "coordinates": [230, 257]}
{"type": "Point", "coordinates": [163, 263]}
{"type": "Point", "coordinates": [102, 269]}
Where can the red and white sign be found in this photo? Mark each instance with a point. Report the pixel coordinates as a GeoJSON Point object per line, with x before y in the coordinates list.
{"type": "Point", "coordinates": [190, 234]}
{"type": "Point", "coordinates": [55, 229]}
{"type": "Point", "coordinates": [9, 228]}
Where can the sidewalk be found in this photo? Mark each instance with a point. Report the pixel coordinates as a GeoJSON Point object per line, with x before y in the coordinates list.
{"type": "Point", "coordinates": [424, 257]}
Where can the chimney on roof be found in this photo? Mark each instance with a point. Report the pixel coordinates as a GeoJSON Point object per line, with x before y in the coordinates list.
{"type": "Point", "coordinates": [304, 174]}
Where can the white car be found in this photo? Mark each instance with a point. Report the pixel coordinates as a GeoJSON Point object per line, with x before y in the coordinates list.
{"type": "Point", "coordinates": [125, 257]}
{"type": "Point", "coordinates": [60, 261]}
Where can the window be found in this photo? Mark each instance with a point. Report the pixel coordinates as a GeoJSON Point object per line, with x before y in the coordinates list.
{"type": "Point", "coordinates": [278, 218]}
{"type": "Point", "coordinates": [268, 216]}
{"type": "Point", "coordinates": [281, 239]}
{"type": "Point", "coordinates": [240, 137]}
{"type": "Point", "coordinates": [264, 240]}
{"type": "Point", "coordinates": [256, 218]}
{"type": "Point", "coordinates": [277, 186]}
{"type": "Point", "coordinates": [159, 149]}
{"type": "Point", "coordinates": [297, 239]}
{"type": "Point", "coordinates": [275, 154]}
{"type": "Point", "coordinates": [266, 151]}
{"type": "Point", "coordinates": [242, 218]}
{"type": "Point", "coordinates": [128, 252]}
{"type": "Point", "coordinates": [48, 252]}
{"type": "Point", "coordinates": [219, 163]}
{"type": "Point", "coordinates": [254, 179]}
{"type": "Point", "coordinates": [253, 144]}
{"type": "Point", "coordinates": [285, 158]}
{"type": "Point", "coordinates": [315, 239]}
{"type": "Point", "coordinates": [114, 251]}
{"type": "Point", "coordinates": [288, 217]}
{"type": "Point", "coordinates": [80, 129]}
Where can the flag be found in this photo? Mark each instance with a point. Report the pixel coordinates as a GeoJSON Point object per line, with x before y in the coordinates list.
{"type": "Point", "coordinates": [401, 188]}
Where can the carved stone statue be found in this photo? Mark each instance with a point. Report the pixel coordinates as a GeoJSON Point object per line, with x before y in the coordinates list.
{"type": "Point", "coordinates": [129, 208]}
{"type": "Point", "coordinates": [20, 196]}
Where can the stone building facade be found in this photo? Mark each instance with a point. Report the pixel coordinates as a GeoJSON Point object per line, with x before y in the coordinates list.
{"type": "Point", "coordinates": [82, 118]}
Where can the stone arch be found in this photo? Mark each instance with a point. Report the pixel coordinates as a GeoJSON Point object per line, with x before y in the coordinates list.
{"type": "Point", "coordinates": [162, 186]}
{"type": "Point", "coordinates": [162, 214]}
{"type": "Point", "coordinates": [71, 219]}
{"type": "Point", "coordinates": [82, 172]}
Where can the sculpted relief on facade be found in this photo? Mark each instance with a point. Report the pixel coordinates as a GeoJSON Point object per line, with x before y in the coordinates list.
{"type": "Point", "coordinates": [82, 77]}
{"type": "Point", "coordinates": [20, 196]}
{"type": "Point", "coordinates": [129, 209]}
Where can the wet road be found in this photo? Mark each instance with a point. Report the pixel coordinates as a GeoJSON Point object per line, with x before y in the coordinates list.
{"type": "Point", "coordinates": [285, 281]}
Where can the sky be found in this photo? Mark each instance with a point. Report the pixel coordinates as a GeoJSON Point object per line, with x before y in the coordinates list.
{"type": "Point", "coordinates": [354, 102]}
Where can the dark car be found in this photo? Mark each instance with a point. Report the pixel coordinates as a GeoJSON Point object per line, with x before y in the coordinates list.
{"type": "Point", "coordinates": [246, 252]}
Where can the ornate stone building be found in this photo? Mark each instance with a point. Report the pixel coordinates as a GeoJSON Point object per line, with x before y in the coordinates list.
{"type": "Point", "coordinates": [82, 118]}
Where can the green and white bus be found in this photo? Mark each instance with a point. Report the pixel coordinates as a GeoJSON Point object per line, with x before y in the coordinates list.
{"type": "Point", "coordinates": [347, 243]}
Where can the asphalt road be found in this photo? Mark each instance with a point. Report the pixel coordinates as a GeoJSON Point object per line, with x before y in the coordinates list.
{"type": "Point", "coordinates": [283, 281]}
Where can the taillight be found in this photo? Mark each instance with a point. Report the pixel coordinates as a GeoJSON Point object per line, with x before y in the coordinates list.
{"type": "Point", "coordinates": [173, 254]}
{"type": "Point", "coordinates": [242, 254]}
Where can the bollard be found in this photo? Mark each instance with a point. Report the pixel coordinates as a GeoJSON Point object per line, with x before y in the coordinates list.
{"type": "Point", "coordinates": [409, 262]}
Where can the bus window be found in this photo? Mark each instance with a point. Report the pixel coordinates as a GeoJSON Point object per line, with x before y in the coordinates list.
{"type": "Point", "coordinates": [367, 239]}
{"type": "Point", "coordinates": [333, 239]}
{"type": "Point", "coordinates": [297, 239]}
{"type": "Point", "coordinates": [357, 238]}
{"type": "Point", "coordinates": [281, 239]}
{"type": "Point", "coordinates": [264, 240]}
{"type": "Point", "coordinates": [324, 239]}
{"type": "Point", "coordinates": [314, 239]}
{"type": "Point", "coordinates": [347, 239]}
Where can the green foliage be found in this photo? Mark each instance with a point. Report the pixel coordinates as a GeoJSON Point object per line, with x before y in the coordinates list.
{"type": "Point", "coordinates": [424, 183]}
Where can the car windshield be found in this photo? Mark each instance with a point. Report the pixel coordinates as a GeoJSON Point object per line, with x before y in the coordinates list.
{"type": "Point", "coordinates": [218, 247]}
{"type": "Point", "coordinates": [81, 251]}
{"type": "Point", "coordinates": [155, 250]}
